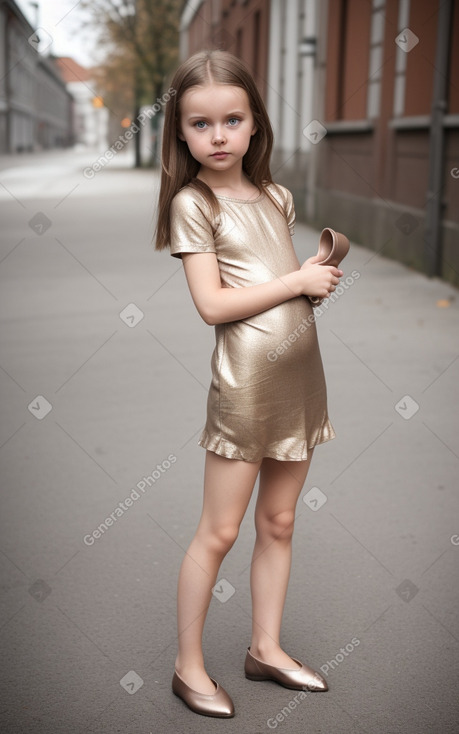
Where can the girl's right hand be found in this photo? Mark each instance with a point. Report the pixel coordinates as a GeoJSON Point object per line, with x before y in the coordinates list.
{"type": "Point", "coordinates": [318, 280]}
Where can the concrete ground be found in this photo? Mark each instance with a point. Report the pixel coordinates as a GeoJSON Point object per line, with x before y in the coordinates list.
{"type": "Point", "coordinates": [105, 366]}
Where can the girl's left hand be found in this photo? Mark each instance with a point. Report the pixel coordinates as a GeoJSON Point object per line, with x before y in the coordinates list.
{"type": "Point", "coordinates": [311, 261]}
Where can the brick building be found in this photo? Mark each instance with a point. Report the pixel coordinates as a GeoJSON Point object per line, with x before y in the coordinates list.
{"type": "Point", "coordinates": [363, 96]}
{"type": "Point", "coordinates": [239, 27]}
{"type": "Point", "coordinates": [385, 169]}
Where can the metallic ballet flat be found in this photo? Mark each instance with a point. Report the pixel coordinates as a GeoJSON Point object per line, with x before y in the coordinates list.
{"type": "Point", "coordinates": [218, 704]}
{"type": "Point", "coordinates": [304, 678]}
{"type": "Point", "coordinates": [333, 247]}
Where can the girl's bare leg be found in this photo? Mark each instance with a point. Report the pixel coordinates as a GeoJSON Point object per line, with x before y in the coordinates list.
{"type": "Point", "coordinates": [228, 485]}
{"type": "Point", "coordinates": [280, 485]}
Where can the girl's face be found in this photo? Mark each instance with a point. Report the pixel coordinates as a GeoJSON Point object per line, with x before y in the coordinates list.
{"type": "Point", "coordinates": [216, 118]}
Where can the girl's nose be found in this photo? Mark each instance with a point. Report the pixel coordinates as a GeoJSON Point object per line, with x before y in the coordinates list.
{"type": "Point", "coordinates": [218, 136]}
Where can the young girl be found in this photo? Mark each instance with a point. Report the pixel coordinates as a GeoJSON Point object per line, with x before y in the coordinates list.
{"type": "Point", "coordinates": [220, 211]}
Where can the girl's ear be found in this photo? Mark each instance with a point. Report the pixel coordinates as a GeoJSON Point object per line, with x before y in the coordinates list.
{"type": "Point", "coordinates": [254, 130]}
{"type": "Point", "coordinates": [180, 135]}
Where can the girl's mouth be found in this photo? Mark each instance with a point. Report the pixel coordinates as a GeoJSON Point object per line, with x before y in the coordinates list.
{"type": "Point", "coordinates": [221, 155]}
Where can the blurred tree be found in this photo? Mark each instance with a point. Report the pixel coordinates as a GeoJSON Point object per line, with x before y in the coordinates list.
{"type": "Point", "coordinates": [141, 43]}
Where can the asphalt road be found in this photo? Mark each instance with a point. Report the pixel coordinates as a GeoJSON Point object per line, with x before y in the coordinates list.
{"type": "Point", "coordinates": [104, 371]}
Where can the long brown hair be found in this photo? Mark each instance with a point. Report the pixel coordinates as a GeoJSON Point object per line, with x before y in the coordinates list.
{"type": "Point", "coordinates": [179, 168]}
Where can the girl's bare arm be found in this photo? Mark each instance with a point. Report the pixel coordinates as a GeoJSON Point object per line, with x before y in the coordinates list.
{"type": "Point", "coordinates": [218, 305]}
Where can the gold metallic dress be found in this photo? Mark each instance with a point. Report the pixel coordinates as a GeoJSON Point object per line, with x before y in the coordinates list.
{"type": "Point", "coordinates": [267, 395]}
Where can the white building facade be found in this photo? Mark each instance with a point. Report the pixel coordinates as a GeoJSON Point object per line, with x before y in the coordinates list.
{"type": "Point", "coordinates": [35, 106]}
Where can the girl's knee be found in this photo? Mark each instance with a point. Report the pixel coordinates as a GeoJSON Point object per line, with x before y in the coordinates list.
{"type": "Point", "coordinates": [219, 539]}
{"type": "Point", "coordinates": [277, 526]}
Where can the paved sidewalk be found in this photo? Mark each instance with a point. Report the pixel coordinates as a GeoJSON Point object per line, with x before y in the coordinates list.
{"type": "Point", "coordinates": [104, 373]}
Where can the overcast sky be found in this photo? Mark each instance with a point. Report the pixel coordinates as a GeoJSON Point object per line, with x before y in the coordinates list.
{"type": "Point", "coordinates": [63, 20]}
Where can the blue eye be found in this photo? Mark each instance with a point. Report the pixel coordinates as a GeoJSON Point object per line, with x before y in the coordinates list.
{"type": "Point", "coordinates": [235, 119]}
{"type": "Point", "coordinates": [199, 123]}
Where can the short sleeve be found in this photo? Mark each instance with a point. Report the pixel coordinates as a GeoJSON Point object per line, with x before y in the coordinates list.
{"type": "Point", "coordinates": [284, 198]}
{"type": "Point", "coordinates": [191, 230]}
{"type": "Point", "coordinates": [290, 212]}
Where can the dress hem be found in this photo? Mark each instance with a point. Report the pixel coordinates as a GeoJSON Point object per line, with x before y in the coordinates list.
{"type": "Point", "coordinates": [228, 450]}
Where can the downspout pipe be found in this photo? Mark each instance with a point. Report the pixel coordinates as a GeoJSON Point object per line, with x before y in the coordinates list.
{"type": "Point", "coordinates": [435, 204]}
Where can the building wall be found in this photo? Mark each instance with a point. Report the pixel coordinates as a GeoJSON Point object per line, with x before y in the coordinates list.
{"type": "Point", "coordinates": [292, 89]}
{"type": "Point", "coordinates": [231, 25]}
{"type": "Point", "coordinates": [19, 91]}
{"type": "Point", "coordinates": [90, 123]}
{"type": "Point", "coordinates": [53, 108]}
{"type": "Point", "coordinates": [35, 107]}
{"type": "Point", "coordinates": [373, 164]}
